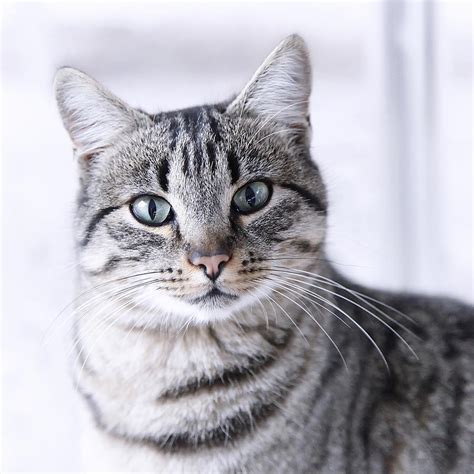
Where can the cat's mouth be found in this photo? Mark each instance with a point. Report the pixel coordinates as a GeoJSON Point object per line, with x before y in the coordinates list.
{"type": "Point", "coordinates": [213, 297]}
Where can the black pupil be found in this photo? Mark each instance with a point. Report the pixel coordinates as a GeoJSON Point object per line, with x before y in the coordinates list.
{"type": "Point", "coordinates": [250, 196]}
{"type": "Point", "coordinates": [152, 209]}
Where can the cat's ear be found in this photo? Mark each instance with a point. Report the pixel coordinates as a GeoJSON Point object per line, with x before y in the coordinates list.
{"type": "Point", "coordinates": [92, 115]}
{"type": "Point", "coordinates": [281, 87]}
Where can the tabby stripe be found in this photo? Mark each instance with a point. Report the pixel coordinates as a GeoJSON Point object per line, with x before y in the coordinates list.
{"type": "Point", "coordinates": [231, 375]}
{"type": "Point", "coordinates": [197, 156]}
{"type": "Point", "coordinates": [235, 426]}
{"type": "Point", "coordinates": [358, 398]}
{"type": "Point", "coordinates": [325, 428]}
{"type": "Point", "coordinates": [185, 160]}
{"type": "Point", "coordinates": [332, 368]}
{"type": "Point", "coordinates": [186, 124]}
{"type": "Point", "coordinates": [94, 222]}
{"type": "Point", "coordinates": [351, 415]}
{"type": "Point", "coordinates": [310, 198]}
{"type": "Point", "coordinates": [454, 415]}
{"type": "Point", "coordinates": [211, 153]}
{"type": "Point", "coordinates": [229, 430]}
{"type": "Point", "coordinates": [163, 170]}
{"type": "Point", "coordinates": [198, 151]}
{"type": "Point", "coordinates": [277, 341]}
{"type": "Point", "coordinates": [214, 128]}
{"type": "Point", "coordinates": [235, 374]}
{"type": "Point", "coordinates": [129, 238]}
{"type": "Point", "coordinates": [174, 130]}
{"type": "Point", "coordinates": [234, 168]}
{"type": "Point", "coordinates": [191, 121]}
{"type": "Point", "coordinates": [388, 389]}
{"type": "Point", "coordinates": [93, 406]}
{"type": "Point", "coordinates": [192, 114]}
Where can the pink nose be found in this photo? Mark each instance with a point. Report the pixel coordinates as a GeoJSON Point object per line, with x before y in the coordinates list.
{"type": "Point", "coordinates": [212, 264]}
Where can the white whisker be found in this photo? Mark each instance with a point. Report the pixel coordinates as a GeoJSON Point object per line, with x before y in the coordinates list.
{"type": "Point", "coordinates": [287, 315]}
{"type": "Point", "coordinates": [319, 325]}
{"type": "Point", "coordinates": [364, 309]}
{"type": "Point", "coordinates": [361, 329]}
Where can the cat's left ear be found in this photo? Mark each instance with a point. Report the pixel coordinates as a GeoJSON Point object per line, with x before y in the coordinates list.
{"type": "Point", "coordinates": [279, 91]}
{"type": "Point", "coordinates": [93, 116]}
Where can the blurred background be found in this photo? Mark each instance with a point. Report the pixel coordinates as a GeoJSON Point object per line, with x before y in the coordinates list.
{"type": "Point", "coordinates": [392, 116]}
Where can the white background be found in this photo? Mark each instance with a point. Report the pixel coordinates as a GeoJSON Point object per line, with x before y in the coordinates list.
{"type": "Point", "coordinates": [391, 110]}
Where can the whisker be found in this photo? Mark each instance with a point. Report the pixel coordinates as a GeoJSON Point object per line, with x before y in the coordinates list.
{"type": "Point", "coordinates": [96, 326]}
{"type": "Point", "coordinates": [264, 311]}
{"type": "Point", "coordinates": [273, 308]}
{"type": "Point", "coordinates": [115, 292]}
{"type": "Point", "coordinates": [360, 296]}
{"type": "Point", "coordinates": [286, 313]}
{"type": "Point", "coordinates": [291, 257]}
{"type": "Point", "coordinates": [121, 294]}
{"type": "Point", "coordinates": [319, 305]}
{"type": "Point", "coordinates": [370, 338]}
{"type": "Point", "coordinates": [104, 327]}
{"type": "Point", "coordinates": [364, 309]}
{"type": "Point", "coordinates": [319, 325]}
{"type": "Point", "coordinates": [385, 305]}
{"type": "Point", "coordinates": [85, 292]}
{"type": "Point", "coordinates": [185, 325]}
{"type": "Point", "coordinates": [109, 295]}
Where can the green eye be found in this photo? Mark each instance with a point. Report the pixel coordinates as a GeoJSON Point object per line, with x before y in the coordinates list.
{"type": "Point", "coordinates": [251, 197]}
{"type": "Point", "coordinates": [151, 210]}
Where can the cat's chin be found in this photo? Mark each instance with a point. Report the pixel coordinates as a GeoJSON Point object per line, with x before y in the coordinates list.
{"type": "Point", "coordinates": [210, 307]}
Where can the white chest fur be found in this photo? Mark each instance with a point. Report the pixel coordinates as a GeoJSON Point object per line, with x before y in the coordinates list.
{"type": "Point", "coordinates": [179, 402]}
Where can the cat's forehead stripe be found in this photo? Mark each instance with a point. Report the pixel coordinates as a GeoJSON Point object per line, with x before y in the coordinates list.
{"type": "Point", "coordinates": [185, 155]}
{"type": "Point", "coordinates": [174, 129]}
{"type": "Point", "coordinates": [195, 137]}
{"type": "Point", "coordinates": [211, 153]}
{"type": "Point", "coordinates": [163, 170]}
{"type": "Point", "coordinates": [215, 128]}
{"type": "Point", "coordinates": [233, 164]}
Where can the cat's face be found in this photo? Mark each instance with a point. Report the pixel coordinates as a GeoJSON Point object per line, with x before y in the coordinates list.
{"type": "Point", "coordinates": [199, 205]}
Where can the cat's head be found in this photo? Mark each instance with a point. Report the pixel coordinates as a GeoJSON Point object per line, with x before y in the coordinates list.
{"type": "Point", "coordinates": [193, 211]}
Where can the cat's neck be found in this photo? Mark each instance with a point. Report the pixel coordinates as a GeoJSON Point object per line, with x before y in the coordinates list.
{"type": "Point", "coordinates": [196, 353]}
{"type": "Point", "coordinates": [116, 345]}
{"type": "Point", "coordinates": [205, 385]}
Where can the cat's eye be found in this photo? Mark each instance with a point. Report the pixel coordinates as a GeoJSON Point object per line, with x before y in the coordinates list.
{"type": "Point", "coordinates": [151, 210]}
{"type": "Point", "coordinates": [251, 197]}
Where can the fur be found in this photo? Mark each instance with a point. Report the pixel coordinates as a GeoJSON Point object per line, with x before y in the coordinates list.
{"type": "Point", "coordinates": [295, 369]}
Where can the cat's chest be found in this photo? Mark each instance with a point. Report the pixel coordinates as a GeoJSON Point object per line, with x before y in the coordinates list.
{"type": "Point", "coordinates": [181, 394]}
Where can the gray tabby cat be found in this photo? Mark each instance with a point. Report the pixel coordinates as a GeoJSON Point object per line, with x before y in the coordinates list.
{"type": "Point", "coordinates": [211, 332]}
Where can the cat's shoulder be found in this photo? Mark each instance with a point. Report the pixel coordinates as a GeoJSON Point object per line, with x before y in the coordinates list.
{"type": "Point", "coordinates": [444, 326]}
{"type": "Point", "coordinates": [449, 314]}
{"type": "Point", "coordinates": [435, 320]}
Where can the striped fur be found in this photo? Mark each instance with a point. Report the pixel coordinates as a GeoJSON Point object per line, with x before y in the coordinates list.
{"type": "Point", "coordinates": [294, 370]}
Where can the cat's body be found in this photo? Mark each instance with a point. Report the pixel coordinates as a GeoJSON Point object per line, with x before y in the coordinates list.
{"type": "Point", "coordinates": [258, 399]}
{"type": "Point", "coordinates": [216, 337]}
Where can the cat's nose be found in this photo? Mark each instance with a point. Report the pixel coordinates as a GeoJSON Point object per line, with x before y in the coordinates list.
{"type": "Point", "coordinates": [212, 264]}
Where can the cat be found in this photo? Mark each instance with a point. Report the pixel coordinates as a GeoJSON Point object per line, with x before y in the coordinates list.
{"type": "Point", "coordinates": [211, 332]}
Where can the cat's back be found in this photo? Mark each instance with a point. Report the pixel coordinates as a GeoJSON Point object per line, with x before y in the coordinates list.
{"type": "Point", "coordinates": [444, 326]}
{"type": "Point", "coordinates": [422, 415]}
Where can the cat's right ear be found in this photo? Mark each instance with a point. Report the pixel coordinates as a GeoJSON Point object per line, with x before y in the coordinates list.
{"type": "Point", "coordinates": [92, 115]}
{"type": "Point", "coordinates": [279, 91]}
